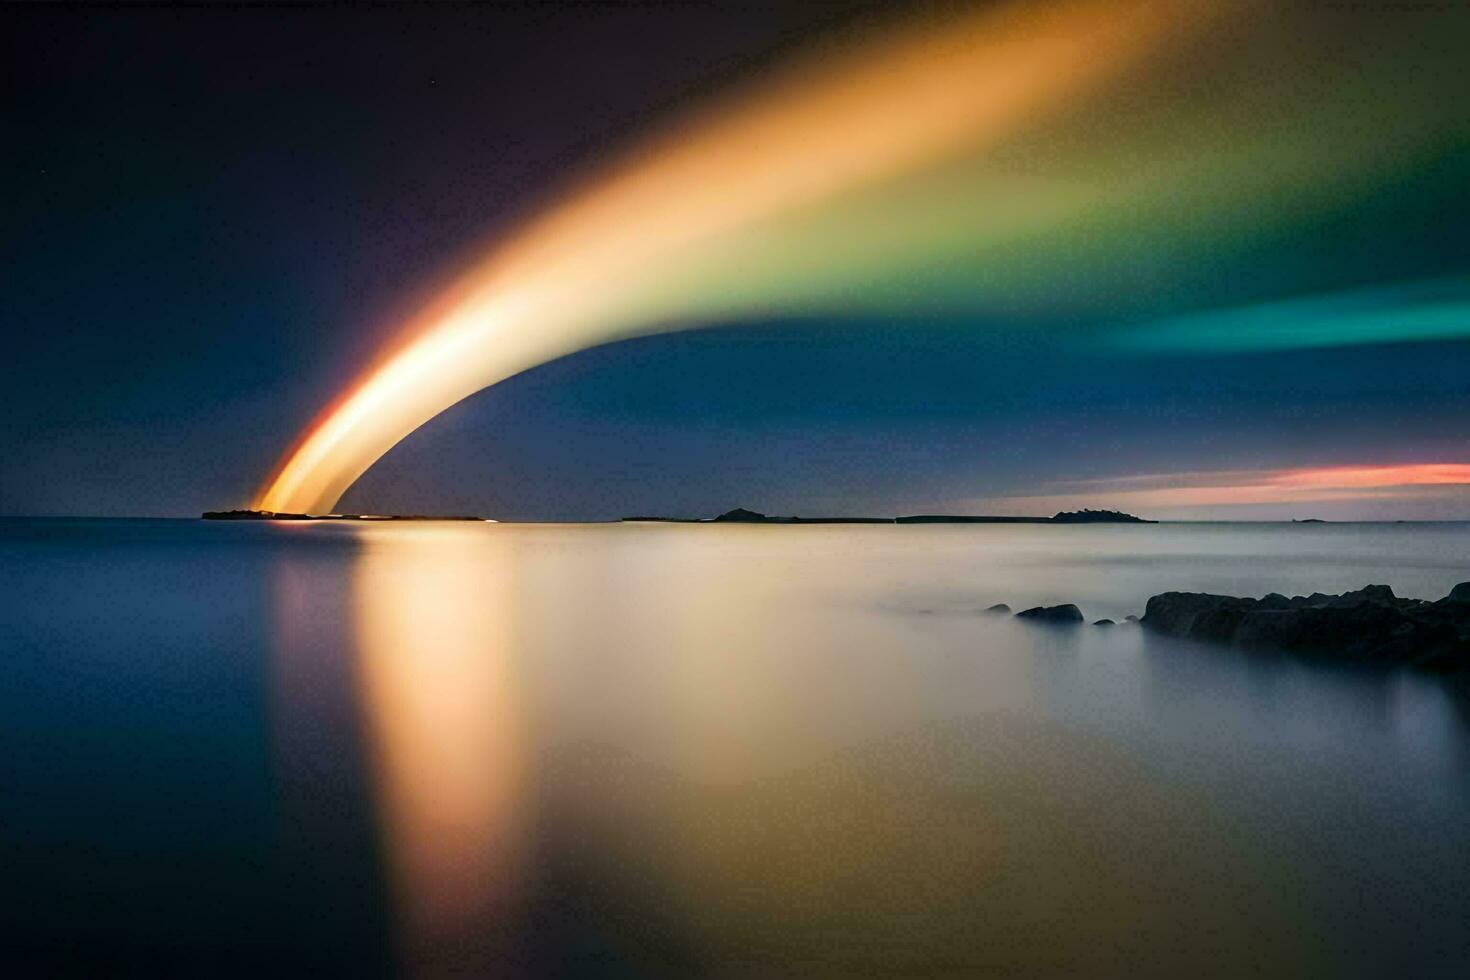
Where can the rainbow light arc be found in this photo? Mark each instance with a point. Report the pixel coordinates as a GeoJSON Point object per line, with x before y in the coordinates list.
{"type": "Point", "coordinates": [585, 272]}
{"type": "Point", "coordinates": [958, 164]}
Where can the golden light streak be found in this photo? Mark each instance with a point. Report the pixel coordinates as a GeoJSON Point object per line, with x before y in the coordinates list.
{"type": "Point", "coordinates": [599, 267]}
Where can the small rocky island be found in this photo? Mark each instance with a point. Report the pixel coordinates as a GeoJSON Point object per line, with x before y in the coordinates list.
{"type": "Point", "coordinates": [742, 516]}
{"type": "Point", "coordinates": [1368, 624]}
{"type": "Point", "coordinates": [1097, 517]}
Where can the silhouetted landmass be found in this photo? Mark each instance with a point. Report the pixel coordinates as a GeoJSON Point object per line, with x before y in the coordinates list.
{"type": "Point", "coordinates": [1311, 520]}
{"type": "Point", "coordinates": [1098, 517]}
{"type": "Point", "coordinates": [1065, 517]}
{"type": "Point", "coordinates": [742, 516]}
{"type": "Point", "coordinates": [1369, 624]}
{"type": "Point", "coordinates": [837, 520]}
{"type": "Point", "coordinates": [270, 515]}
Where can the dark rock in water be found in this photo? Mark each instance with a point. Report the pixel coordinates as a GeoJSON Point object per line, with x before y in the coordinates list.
{"type": "Point", "coordinates": [1104, 622]}
{"type": "Point", "coordinates": [998, 608]}
{"type": "Point", "coordinates": [1064, 614]}
{"type": "Point", "coordinates": [1130, 618]}
{"type": "Point", "coordinates": [1369, 623]}
{"type": "Point", "coordinates": [1193, 614]}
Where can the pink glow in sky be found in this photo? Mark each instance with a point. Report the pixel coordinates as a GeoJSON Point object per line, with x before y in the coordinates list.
{"type": "Point", "coordinates": [1166, 494]}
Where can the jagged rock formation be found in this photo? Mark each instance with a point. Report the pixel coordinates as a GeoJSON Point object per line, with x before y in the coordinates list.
{"type": "Point", "coordinates": [1370, 623]}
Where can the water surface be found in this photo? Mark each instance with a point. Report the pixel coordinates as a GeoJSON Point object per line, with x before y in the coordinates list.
{"type": "Point", "coordinates": [669, 749]}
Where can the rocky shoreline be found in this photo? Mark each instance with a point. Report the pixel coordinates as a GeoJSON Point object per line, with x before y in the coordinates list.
{"type": "Point", "coordinates": [1368, 624]}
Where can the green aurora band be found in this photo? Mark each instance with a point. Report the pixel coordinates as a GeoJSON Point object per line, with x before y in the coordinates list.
{"type": "Point", "coordinates": [1139, 216]}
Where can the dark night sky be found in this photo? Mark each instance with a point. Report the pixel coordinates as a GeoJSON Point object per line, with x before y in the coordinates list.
{"type": "Point", "coordinates": [214, 217]}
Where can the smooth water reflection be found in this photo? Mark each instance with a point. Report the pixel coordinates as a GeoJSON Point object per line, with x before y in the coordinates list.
{"type": "Point", "coordinates": [501, 750]}
{"type": "Point", "coordinates": [748, 748]}
{"type": "Point", "coordinates": [435, 631]}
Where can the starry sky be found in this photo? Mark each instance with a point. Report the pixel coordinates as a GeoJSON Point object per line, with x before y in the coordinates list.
{"type": "Point", "coordinates": [216, 219]}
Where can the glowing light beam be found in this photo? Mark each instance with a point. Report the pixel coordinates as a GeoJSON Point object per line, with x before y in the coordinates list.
{"type": "Point", "coordinates": [1091, 159]}
{"type": "Point", "coordinates": [595, 268]}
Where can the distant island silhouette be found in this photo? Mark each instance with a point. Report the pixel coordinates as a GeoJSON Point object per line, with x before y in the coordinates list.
{"type": "Point", "coordinates": [737, 516]}
{"type": "Point", "coordinates": [742, 516]}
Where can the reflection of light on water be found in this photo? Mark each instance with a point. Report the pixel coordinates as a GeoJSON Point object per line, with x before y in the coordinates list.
{"type": "Point", "coordinates": [444, 722]}
{"type": "Point", "coordinates": [746, 748]}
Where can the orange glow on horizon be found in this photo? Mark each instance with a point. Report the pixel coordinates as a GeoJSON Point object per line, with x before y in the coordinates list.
{"type": "Point", "coordinates": [1407, 475]}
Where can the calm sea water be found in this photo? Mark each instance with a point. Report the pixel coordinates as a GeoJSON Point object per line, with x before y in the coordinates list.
{"type": "Point", "coordinates": [642, 750]}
